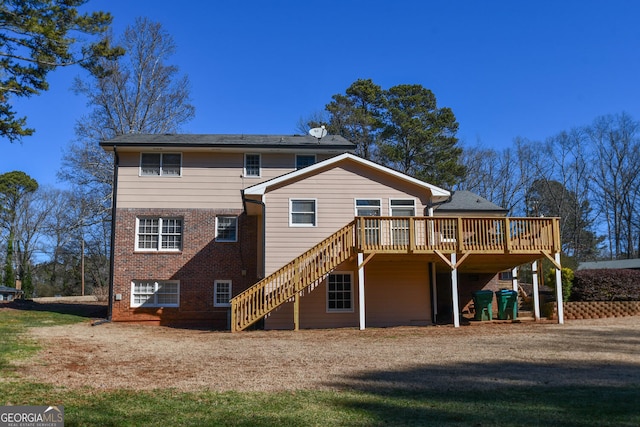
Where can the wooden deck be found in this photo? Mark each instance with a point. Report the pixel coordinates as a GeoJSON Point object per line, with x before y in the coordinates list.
{"type": "Point", "coordinates": [480, 244]}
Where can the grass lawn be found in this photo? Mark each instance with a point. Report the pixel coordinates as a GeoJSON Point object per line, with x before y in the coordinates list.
{"type": "Point", "coordinates": [507, 406]}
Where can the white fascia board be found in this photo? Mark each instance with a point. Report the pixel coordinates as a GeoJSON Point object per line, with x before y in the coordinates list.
{"type": "Point", "coordinates": [438, 194]}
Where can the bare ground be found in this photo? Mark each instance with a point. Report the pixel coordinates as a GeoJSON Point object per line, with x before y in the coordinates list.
{"type": "Point", "coordinates": [600, 352]}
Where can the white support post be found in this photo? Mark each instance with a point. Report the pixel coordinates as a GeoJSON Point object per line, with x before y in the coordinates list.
{"type": "Point", "coordinates": [559, 291]}
{"type": "Point", "coordinates": [536, 296]}
{"type": "Point", "coordinates": [454, 292]}
{"type": "Point", "coordinates": [361, 290]}
{"type": "Point", "coordinates": [514, 279]}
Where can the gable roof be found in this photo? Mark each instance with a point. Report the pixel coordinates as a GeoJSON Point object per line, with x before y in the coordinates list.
{"type": "Point", "coordinates": [329, 142]}
{"type": "Point", "coordinates": [438, 194]}
{"type": "Point", "coordinates": [466, 201]}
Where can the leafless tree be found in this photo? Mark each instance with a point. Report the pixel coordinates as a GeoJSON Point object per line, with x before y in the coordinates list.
{"type": "Point", "coordinates": [137, 93]}
{"type": "Point", "coordinates": [616, 174]}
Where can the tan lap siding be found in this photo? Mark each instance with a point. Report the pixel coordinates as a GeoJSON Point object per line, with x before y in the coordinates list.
{"type": "Point", "coordinates": [397, 293]}
{"type": "Point", "coordinates": [208, 181]}
{"type": "Point", "coordinates": [313, 308]}
{"type": "Point", "coordinates": [335, 190]}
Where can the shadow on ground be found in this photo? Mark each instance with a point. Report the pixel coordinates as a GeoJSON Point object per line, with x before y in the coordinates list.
{"type": "Point", "coordinates": [512, 393]}
{"type": "Point", "coordinates": [95, 310]}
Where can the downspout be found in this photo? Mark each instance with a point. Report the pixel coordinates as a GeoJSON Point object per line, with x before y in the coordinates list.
{"type": "Point", "coordinates": [116, 164]}
{"type": "Point", "coordinates": [264, 229]}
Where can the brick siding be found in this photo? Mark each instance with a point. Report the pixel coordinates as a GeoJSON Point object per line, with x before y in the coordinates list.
{"type": "Point", "coordinates": [201, 261]}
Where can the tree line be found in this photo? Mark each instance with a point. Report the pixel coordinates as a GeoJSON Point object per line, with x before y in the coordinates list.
{"type": "Point", "coordinates": [587, 175]}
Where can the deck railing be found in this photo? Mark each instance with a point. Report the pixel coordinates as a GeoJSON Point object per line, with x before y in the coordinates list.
{"type": "Point", "coordinates": [457, 234]}
{"type": "Point", "coordinates": [393, 235]}
{"type": "Point", "coordinates": [304, 271]}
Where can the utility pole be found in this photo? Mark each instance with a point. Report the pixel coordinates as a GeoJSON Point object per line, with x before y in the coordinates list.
{"type": "Point", "coordinates": [82, 267]}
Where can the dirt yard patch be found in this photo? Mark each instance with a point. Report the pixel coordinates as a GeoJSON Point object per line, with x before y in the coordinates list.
{"type": "Point", "coordinates": [483, 356]}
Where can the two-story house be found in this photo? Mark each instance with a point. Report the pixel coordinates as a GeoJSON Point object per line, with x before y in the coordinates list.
{"type": "Point", "coordinates": [294, 231]}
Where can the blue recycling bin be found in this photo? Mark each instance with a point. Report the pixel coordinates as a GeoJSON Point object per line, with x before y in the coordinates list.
{"type": "Point", "coordinates": [507, 304]}
{"type": "Point", "coordinates": [482, 301]}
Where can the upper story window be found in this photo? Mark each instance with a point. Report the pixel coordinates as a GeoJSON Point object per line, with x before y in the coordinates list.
{"type": "Point", "coordinates": [302, 213]}
{"type": "Point", "coordinates": [226, 228]}
{"type": "Point", "coordinates": [159, 234]}
{"type": "Point", "coordinates": [304, 160]}
{"type": "Point", "coordinates": [252, 165]}
{"type": "Point", "coordinates": [402, 207]}
{"type": "Point", "coordinates": [160, 164]}
{"type": "Point", "coordinates": [367, 207]}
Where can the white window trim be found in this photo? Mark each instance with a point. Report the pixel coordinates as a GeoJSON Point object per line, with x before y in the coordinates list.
{"type": "Point", "coordinates": [403, 206]}
{"type": "Point", "coordinates": [341, 310]}
{"type": "Point", "coordinates": [161, 160]}
{"type": "Point", "coordinates": [355, 205]}
{"type": "Point", "coordinates": [315, 211]}
{"type": "Point", "coordinates": [315, 159]}
{"type": "Point", "coordinates": [235, 238]}
{"type": "Point", "coordinates": [244, 169]}
{"type": "Point", "coordinates": [156, 283]}
{"type": "Point", "coordinates": [159, 248]}
{"type": "Point", "coordinates": [215, 293]}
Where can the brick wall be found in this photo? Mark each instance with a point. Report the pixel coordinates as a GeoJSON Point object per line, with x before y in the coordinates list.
{"type": "Point", "coordinates": [201, 261]}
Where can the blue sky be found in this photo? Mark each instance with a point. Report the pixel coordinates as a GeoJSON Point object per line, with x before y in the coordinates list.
{"type": "Point", "coordinates": [505, 68]}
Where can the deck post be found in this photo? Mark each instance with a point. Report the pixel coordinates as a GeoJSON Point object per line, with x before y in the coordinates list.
{"type": "Point", "coordinates": [434, 292]}
{"type": "Point", "coordinates": [454, 292]}
{"type": "Point", "coordinates": [536, 296]}
{"type": "Point", "coordinates": [361, 311]}
{"type": "Point", "coordinates": [296, 311]}
{"type": "Point", "coordinates": [514, 279]}
{"type": "Point", "coordinates": [559, 291]}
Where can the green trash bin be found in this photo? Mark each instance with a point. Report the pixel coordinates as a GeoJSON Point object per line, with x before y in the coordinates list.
{"type": "Point", "coordinates": [507, 304]}
{"type": "Point", "coordinates": [482, 301]}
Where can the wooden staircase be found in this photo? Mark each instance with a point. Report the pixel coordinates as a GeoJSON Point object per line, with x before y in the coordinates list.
{"type": "Point", "coordinates": [305, 271]}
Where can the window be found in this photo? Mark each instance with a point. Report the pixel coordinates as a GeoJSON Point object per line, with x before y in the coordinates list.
{"type": "Point", "coordinates": [304, 160]}
{"type": "Point", "coordinates": [505, 275]}
{"type": "Point", "coordinates": [367, 207]}
{"type": "Point", "coordinates": [160, 164]}
{"type": "Point", "coordinates": [370, 207]}
{"type": "Point", "coordinates": [155, 293]}
{"type": "Point", "coordinates": [252, 165]}
{"type": "Point", "coordinates": [448, 230]}
{"type": "Point", "coordinates": [222, 293]}
{"type": "Point", "coordinates": [226, 228]}
{"type": "Point", "coordinates": [400, 227]}
{"type": "Point", "coordinates": [303, 213]}
{"type": "Point", "coordinates": [402, 207]}
{"type": "Point", "coordinates": [339, 292]}
{"type": "Point", "coordinates": [159, 234]}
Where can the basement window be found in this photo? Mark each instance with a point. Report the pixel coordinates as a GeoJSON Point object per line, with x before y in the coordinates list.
{"type": "Point", "coordinates": [155, 293]}
{"type": "Point", "coordinates": [340, 292]}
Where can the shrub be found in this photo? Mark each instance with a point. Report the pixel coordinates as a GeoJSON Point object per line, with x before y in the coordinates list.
{"type": "Point", "coordinates": [567, 281]}
{"type": "Point", "coordinates": [606, 285]}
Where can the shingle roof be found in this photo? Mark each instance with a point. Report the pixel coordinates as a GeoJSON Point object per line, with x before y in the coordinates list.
{"type": "Point", "coordinates": [465, 201]}
{"type": "Point", "coordinates": [229, 141]}
{"type": "Point", "coordinates": [617, 264]}
{"type": "Point", "coordinates": [7, 289]}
